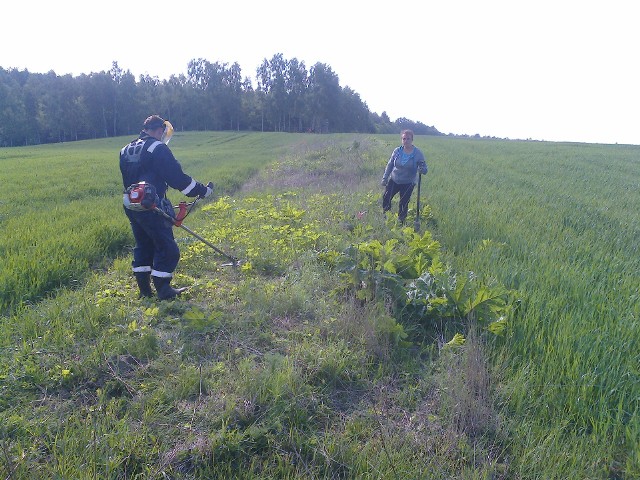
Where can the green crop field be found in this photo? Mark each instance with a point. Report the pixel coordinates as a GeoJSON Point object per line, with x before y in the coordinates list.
{"type": "Point", "coordinates": [500, 341]}
{"type": "Point", "coordinates": [563, 222]}
{"type": "Point", "coordinates": [60, 205]}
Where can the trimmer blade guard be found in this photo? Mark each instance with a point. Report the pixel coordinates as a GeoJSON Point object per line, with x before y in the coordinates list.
{"type": "Point", "coordinates": [235, 263]}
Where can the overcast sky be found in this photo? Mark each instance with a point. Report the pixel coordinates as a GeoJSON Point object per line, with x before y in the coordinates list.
{"type": "Point", "coordinates": [559, 70]}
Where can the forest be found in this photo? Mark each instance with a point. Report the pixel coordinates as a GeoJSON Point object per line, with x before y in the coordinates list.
{"type": "Point", "coordinates": [284, 96]}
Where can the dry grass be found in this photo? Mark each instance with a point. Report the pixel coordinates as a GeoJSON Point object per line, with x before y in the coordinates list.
{"type": "Point", "coordinates": [323, 166]}
{"type": "Point", "coordinates": [473, 412]}
{"type": "Point", "coordinates": [465, 394]}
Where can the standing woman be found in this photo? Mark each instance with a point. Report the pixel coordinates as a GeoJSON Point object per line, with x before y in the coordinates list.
{"type": "Point", "coordinates": [401, 174]}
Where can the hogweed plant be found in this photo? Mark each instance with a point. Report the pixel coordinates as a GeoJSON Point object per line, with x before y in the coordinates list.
{"type": "Point", "coordinates": [406, 272]}
{"type": "Point", "coordinates": [403, 269]}
{"type": "Point", "coordinates": [268, 232]}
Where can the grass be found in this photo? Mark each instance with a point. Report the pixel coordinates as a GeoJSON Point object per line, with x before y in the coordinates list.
{"type": "Point", "coordinates": [564, 227]}
{"type": "Point", "coordinates": [288, 369]}
{"type": "Point", "coordinates": [60, 206]}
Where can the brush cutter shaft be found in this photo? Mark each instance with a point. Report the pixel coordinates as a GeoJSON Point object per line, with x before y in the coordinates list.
{"type": "Point", "coordinates": [234, 260]}
{"type": "Point", "coordinates": [206, 242]}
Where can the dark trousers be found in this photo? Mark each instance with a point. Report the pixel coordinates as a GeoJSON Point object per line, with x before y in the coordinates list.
{"type": "Point", "coordinates": [390, 191]}
{"type": "Point", "coordinates": [156, 250]}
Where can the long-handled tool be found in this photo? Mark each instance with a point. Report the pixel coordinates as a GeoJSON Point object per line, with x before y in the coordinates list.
{"type": "Point", "coordinates": [142, 196]}
{"type": "Point", "coordinates": [177, 222]}
{"type": "Point", "coordinates": [416, 222]}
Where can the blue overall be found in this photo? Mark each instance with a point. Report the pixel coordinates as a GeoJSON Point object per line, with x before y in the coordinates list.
{"type": "Point", "coordinates": [147, 159]}
{"type": "Point", "coordinates": [156, 250]}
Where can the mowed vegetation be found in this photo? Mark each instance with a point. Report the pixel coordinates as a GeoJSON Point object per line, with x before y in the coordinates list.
{"type": "Point", "coordinates": [331, 353]}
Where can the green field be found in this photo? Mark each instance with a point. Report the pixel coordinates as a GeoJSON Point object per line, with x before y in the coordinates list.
{"type": "Point", "coordinates": [564, 222]}
{"type": "Point", "coordinates": [60, 205]}
{"type": "Point", "coordinates": [309, 362]}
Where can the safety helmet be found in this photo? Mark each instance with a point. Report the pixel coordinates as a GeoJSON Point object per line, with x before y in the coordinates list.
{"type": "Point", "coordinates": [156, 121]}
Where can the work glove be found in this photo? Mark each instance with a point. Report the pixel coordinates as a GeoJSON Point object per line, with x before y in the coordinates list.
{"type": "Point", "coordinates": [209, 190]}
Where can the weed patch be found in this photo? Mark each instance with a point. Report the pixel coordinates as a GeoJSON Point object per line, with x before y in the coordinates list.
{"type": "Point", "coordinates": [345, 346]}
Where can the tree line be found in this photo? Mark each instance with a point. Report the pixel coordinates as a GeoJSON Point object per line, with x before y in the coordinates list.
{"type": "Point", "coordinates": [45, 108]}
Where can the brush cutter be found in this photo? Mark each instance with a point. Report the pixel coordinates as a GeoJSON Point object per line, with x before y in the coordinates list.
{"type": "Point", "coordinates": [177, 222]}
{"type": "Point", "coordinates": [416, 222]}
{"type": "Point", "coordinates": [142, 196]}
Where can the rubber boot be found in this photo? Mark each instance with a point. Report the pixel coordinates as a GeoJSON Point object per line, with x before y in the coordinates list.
{"type": "Point", "coordinates": [144, 284]}
{"type": "Point", "coordinates": [164, 288]}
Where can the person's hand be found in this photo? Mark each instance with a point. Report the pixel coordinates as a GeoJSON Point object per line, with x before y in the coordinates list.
{"type": "Point", "coordinates": [209, 190]}
{"type": "Point", "coordinates": [384, 182]}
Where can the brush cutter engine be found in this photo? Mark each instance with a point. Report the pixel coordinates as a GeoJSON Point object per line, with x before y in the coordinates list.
{"type": "Point", "coordinates": [140, 197]}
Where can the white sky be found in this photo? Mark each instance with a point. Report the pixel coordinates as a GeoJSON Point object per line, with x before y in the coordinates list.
{"type": "Point", "coordinates": [559, 70]}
